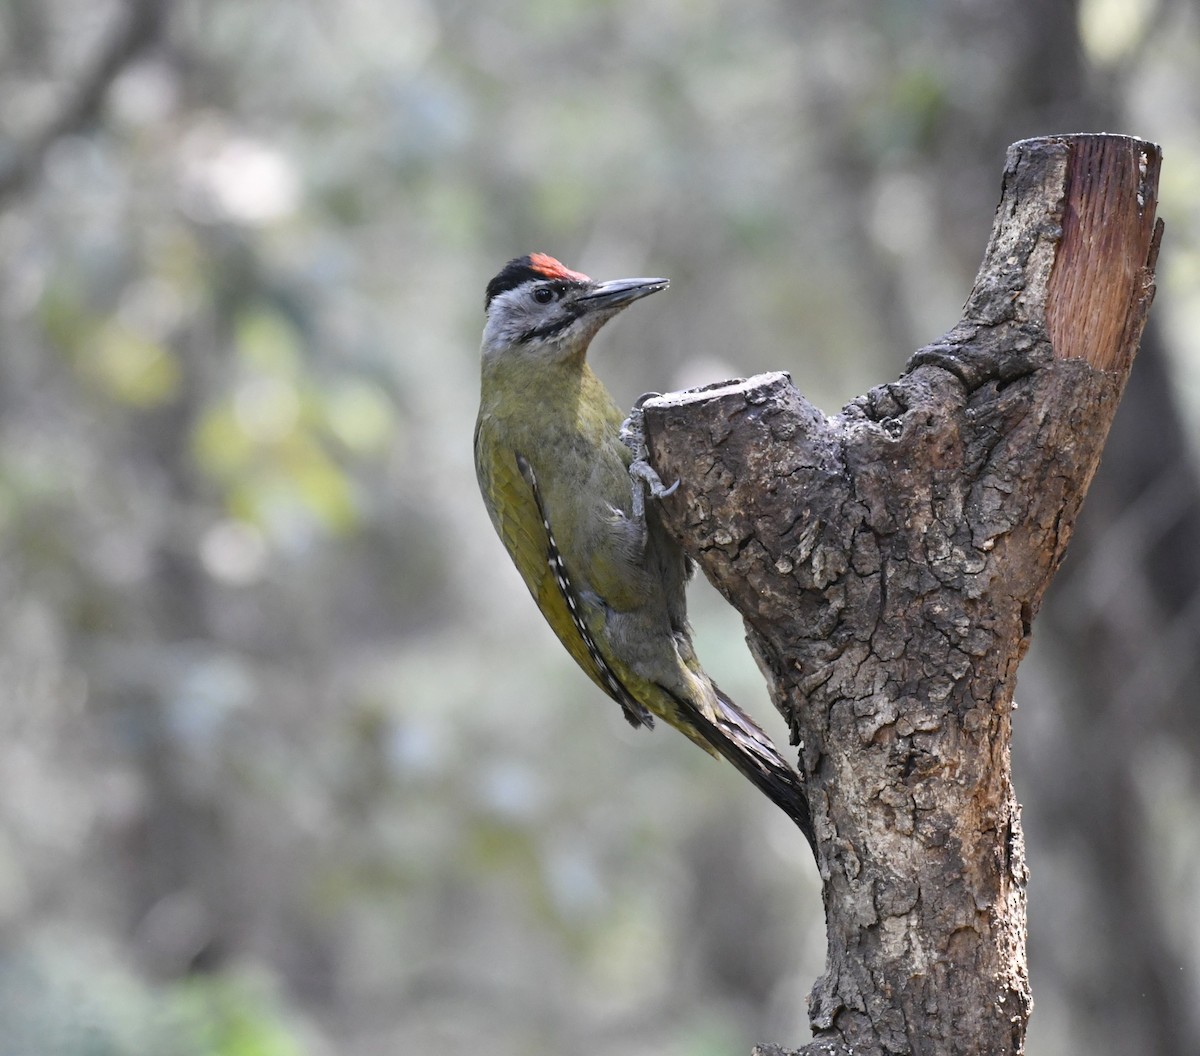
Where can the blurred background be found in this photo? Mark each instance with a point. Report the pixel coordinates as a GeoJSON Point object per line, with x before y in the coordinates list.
{"type": "Point", "coordinates": [289, 764]}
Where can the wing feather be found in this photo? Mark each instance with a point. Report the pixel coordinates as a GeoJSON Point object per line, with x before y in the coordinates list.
{"type": "Point", "coordinates": [510, 490]}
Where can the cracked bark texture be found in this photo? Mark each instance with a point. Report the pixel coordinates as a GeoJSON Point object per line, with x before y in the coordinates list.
{"type": "Point", "coordinates": [889, 562]}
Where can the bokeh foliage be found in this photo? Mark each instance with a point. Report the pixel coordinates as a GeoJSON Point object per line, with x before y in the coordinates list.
{"type": "Point", "coordinates": [289, 764]}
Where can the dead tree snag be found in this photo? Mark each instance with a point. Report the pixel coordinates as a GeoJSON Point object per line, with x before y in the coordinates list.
{"type": "Point", "coordinates": [889, 562]}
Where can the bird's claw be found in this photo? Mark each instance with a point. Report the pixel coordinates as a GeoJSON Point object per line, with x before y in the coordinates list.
{"type": "Point", "coordinates": [659, 491]}
{"type": "Point", "coordinates": [644, 476]}
{"type": "Point", "coordinates": [641, 470]}
{"type": "Point", "coordinates": [632, 434]}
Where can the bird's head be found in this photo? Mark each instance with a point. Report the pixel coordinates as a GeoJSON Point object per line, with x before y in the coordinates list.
{"type": "Point", "coordinates": [538, 308]}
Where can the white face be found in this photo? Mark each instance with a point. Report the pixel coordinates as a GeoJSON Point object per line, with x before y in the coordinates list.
{"type": "Point", "coordinates": [542, 319]}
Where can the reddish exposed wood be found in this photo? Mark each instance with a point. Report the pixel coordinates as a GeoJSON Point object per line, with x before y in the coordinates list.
{"type": "Point", "coordinates": [1103, 278]}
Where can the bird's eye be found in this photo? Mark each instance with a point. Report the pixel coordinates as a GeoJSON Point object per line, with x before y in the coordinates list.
{"type": "Point", "coordinates": [543, 295]}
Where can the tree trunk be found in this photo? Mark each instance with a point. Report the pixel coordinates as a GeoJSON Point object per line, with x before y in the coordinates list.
{"type": "Point", "coordinates": [889, 562]}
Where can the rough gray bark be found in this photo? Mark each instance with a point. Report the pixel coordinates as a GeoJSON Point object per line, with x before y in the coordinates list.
{"type": "Point", "coordinates": [889, 562]}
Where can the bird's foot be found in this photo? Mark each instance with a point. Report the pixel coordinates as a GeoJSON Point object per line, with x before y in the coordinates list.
{"type": "Point", "coordinates": [633, 435]}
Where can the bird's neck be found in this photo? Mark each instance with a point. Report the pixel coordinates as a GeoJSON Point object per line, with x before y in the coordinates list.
{"type": "Point", "coordinates": [569, 397]}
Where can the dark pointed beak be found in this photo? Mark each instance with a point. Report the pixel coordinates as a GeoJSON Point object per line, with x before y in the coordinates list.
{"type": "Point", "coordinates": [620, 292]}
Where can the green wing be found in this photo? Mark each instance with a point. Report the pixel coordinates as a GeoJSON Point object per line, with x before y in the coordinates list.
{"type": "Point", "coordinates": [511, 493]}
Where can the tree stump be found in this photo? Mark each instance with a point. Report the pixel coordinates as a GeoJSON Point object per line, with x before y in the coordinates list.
{"type": "Point", "coordinates": [889, 562]}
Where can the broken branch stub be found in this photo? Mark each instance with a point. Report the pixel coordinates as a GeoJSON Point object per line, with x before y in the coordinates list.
{"type": "Point", "coordinates": [889, 562]}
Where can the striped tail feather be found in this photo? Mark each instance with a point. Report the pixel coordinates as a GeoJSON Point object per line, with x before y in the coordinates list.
{"type": "Point", "coordinates": [739, 739]}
